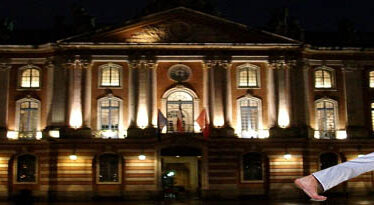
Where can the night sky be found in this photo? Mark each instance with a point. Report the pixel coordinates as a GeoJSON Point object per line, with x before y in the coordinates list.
{"type": "Point", "coordinates": [320, 15]}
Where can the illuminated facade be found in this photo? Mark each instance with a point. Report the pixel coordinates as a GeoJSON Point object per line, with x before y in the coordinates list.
{"type": "Point", "coordinates": [78, 117]}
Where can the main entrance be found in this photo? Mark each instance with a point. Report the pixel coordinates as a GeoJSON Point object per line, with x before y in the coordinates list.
{"type": "Point", "coordinates": [181, 172]}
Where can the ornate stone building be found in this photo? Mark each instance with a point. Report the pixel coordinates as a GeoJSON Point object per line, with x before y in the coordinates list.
{"type": "Point", "coordinates": [78, 117]}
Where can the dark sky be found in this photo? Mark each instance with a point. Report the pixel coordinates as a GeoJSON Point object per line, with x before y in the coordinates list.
{"type": "Point", "coordinates": [313, 14]}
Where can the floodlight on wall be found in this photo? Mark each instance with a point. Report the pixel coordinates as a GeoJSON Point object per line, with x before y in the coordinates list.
{"type": "Point", "coordinates": [13, 135]}
{"type": "Point", "coordinates": [287, 155]}
{"type": "Point", "coordinates": [283, 118]}
{"type": "Point", "coordinates": [263, 134]}
{"type": "Point", "coordinates": [341, 134]}
{"type": "Point", "coordinates": [54, 133]}
{"type": "Point", "coordinates": [142, 157]}
{"type": "Point", "coordinates": [73, 155]}
{"type": "Point", "coordinates": [39, 135]}
{"type": "Point", "coordinates": [360, 154]}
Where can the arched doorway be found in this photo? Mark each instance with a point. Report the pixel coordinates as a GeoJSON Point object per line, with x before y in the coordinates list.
{"type": "Point", "coordinates": [181, 169]}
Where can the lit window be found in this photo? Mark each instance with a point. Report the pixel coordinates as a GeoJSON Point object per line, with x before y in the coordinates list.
{"type": "Point", "coordinates": [109, 116]}
{"type": "Point", "coordinates": [249, 116]}
{"type": "Point", "coordinates": [177, 101]}
{"type": "Point", "coordinates": [328, 160]}
{"type": "Point", "coordinates": [371, 79]}
{"type": "Point", "coordinates": [28, 118]}
{"type": "Point", "coordinates": [248, 76]}
{"type": "Point", "coordinates": [326, 118]}
{"type": "Point", "coordinates": [30, 78]}
{"type": "Point", "coordinates": [26, 168]}
{"type": "Point", "coordinates": [372, 116]}
{"type": "Point", "coordinates": [109, 168]}
{"type": "Point", "coordinates": [110, 75]}
{"type": "Point", "coordinates": [252, 167]}
{"type": "Point", "coordinates": [323, 78]}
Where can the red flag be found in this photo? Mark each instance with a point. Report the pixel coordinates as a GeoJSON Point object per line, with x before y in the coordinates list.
{"type": "Point", "coordinates": [202, 121]}
{"type": "Point", "coordinates": [180, 120]}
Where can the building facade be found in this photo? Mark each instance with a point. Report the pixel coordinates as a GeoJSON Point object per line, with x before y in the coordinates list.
{"type": "Point", "coordinates": [79, 116]}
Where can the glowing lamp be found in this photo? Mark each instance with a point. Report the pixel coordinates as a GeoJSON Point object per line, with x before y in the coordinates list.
{"type": "Point", "coordinates": [13, 135]}
{"type": "Point", "coordinates": [316, 134]}
{"type": "Point", "coordinates": [54, 133]}
{"type": "Point", "coordinates": [142, 120]}
{"type": "Point", "coordinates": [287, 156]}
{"type": "Point", "coordinates": [73, 157]}
{"type": "Point", "coordinates": [170, 174]}
{"type": "Point", "coordinates": [142, 157]}
{"type": "Point", "coordinates": [218, 121]}
{"type": "Point", "coordinates": [109, 134]}
{"type": "Point", "coordinates": [360, 155]}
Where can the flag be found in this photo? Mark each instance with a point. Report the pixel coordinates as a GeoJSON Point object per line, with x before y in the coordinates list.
{"type": "Point", "coordinates": [202, 121]}
{"type": "Point", "coordinates": [161, 120]}
{"type": "Point", "coordinates": [180, 120]}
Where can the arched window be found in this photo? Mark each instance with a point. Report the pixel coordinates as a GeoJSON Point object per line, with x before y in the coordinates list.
{"type": "Point", "coordinates": [177, 102]}
{"type": "Point", "coordinates": [248, 76]}
{"type": "Point", "coordinates": [110, 75]}
{"type": "Point", "coordinates": [30, 77]}
{"type": "Point", "coordinates": [371, 79]}
{"type": "Point", "coordinates": [109, 168]}
{"type": "Point", "coordinates": [109, 116]}
{"type": "Point", "coordinates": [26, 168]}
{"type": "Point", "coordinates": [28, 118]}
{"type": "Point", "coordinates": [328, 160]}
{"type": "Point", "coordinates": [252, 167]}
{"type": "Point", "coordinates": [249, 116]}
{"type": "Point", "coordinates": [326, 117]}
{"type": "Point", "coordinates": [324, 77]}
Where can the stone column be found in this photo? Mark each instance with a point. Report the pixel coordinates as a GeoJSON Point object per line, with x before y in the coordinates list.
{"type": "Point", "coordinates": [206, 89]}
{"type": "Point", "coordinates": [154, 93]}
{"type": "Point", "coordinates": [210, 91]}
{"type": "Point", "coordinates": [87, 96]}
{"type": "Point", "coordinates": [4, 98]}
{"type": "Point", "coordinates": [132, 93]}
{"type": "Point", "coordinates": [58, 117]}
{"type": "Point", "coordinates": [228, 96]}
{"type": "Point", "coordinates": [272, 110]}
{"type": "Point", "coordinates": [353, 90]}
{"type": "Point", "coordinates": [49, 98]}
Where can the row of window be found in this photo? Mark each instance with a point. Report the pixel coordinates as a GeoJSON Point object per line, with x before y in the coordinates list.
{"type": "Point", "coordinates": [109, 170]}
{"type": "Point", "coordinates": [248, 76]}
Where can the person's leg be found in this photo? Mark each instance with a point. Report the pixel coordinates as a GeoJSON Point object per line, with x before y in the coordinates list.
{"type": "Point", "coordinates": [335, 175]}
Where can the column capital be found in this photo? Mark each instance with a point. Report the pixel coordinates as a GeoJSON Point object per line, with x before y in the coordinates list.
{"type": "Point", "coordinates": [78, 61]}
{"type": "Point", "coordinates": [5, 66]}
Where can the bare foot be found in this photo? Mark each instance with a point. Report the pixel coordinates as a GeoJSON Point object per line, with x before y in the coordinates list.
{"type": "Point", "coordinates": [309, 185]}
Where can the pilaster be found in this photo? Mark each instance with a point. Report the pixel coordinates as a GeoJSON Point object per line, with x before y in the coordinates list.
{"type": "Point", "coordinates": [4, 98]}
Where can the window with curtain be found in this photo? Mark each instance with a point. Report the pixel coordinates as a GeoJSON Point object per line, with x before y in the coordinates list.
{"type": "Point", "coordinates": [252, 167]}
{"type": "Point", "coordinates": [26, 168]}
{"type": "Point", "coordinates": [328, 160]}
{"type": "Point", "coordinates": [326, 118]}
{"type": "Point", "coordinates": [109, 114]}
{"type": "Point", "coordinates": [323, 78]}
{"type": "Point", "coordinates": [248, 77]}
{"type": "Point", "coordinates": [110, 75]}
{"type": "Point", "coordinates": [28, 119]}
{"type": "Point", "coordinates": [30, 78]}
{"type": "Point", "coordinates": [109, 168]}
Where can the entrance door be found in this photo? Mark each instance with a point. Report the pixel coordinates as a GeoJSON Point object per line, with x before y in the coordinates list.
{"type": "Point", "coordinates": [180, 172]}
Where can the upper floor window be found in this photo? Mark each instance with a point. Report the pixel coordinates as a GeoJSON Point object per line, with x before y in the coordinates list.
{"type": "Point", "coordinates": [110, 75]}
{"type": "Point", "coordinates": [371, 79]}
{"type": "Point", "coordinates": [26, 168]}
{"type": "Point", "coordinates": [324, 78]}
{"type": "Point", "coordinates": [249, 115]}
{"type": "Point", "coordinates": [248, 76]}
{"type": "Point", "coordinates": [327, 160]}
{"type": "Point", "coordinates": [109, 168]}
{"type": "Point", "coordinates": [326, 117]}
{"type": "Point", "coordinates": [109, 116]}
{"type": "Point", "coordinates": [28, 114]}
{"type": "Point", "coordinates": [252, 167]}
{"type": "Point", "coordinates": [30, 77]}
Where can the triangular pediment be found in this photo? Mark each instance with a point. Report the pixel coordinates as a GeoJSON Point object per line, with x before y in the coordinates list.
{"type": "Point", "coordinates": [181, 25]}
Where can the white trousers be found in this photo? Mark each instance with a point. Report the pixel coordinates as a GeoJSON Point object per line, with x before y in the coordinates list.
{"type": "Point", "coordinates": [337, 174]}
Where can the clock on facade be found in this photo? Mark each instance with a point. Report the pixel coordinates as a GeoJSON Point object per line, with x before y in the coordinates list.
{"type": "Point", "coordinates": [179, 73]}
